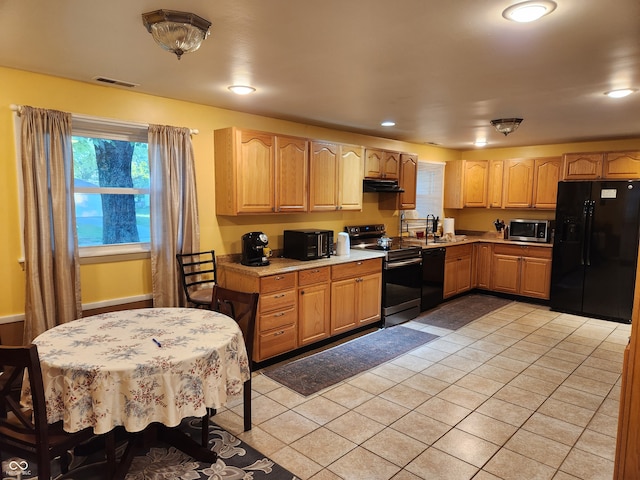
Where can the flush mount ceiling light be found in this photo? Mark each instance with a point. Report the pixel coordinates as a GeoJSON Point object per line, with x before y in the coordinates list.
{"type": "Point", "coordinates": [177, 32]}
{"type": "Point", "coordinates": [506, 125]}
{"type": "Point", "coordinates": [388, 123]}
{"type": "Point", "coordinates": [242, 89]}
{"type": "Point", "coordinates": [620, 93]}
{"type": "Point", "coordinates": [481, 142]}
{"type": "Point", "coordinates": [529, 11]}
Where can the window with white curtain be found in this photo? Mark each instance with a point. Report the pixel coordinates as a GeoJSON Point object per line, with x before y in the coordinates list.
{"type": "Point", "coordinates": [430, 188]}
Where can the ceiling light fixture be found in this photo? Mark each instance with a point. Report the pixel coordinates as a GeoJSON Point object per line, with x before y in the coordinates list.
{"type": "Point", "coordinates": [529, 11]}
{"type": "Point", "coordinates": [242, 89]}
{"type": "Point", "coordinates": [177, 32]}
{"type": "Point", "coordinates": [481, 142]}
{"type": "Point", "coordinates": [620, 93]}
{"type": "Point", "coordinates": [388, 123]}
{"type": "Point", "coordinates": [506, 125]}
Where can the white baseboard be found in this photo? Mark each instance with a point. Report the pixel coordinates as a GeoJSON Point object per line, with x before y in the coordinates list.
{"type": "Point", "coordinates": [87, 306]}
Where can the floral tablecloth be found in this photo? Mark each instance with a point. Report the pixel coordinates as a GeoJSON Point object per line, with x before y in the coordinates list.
{"type": "Point", "coordinates": [136, 367]}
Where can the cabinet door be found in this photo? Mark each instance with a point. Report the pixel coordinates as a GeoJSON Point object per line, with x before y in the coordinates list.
{"type": "Point", "coordinates": [518, 183]}
{"type": "Point", "coordinates": [545, 182]}
{"type": "Point", "coordinates": [496, 174]}
{"type": "Point", "coordinates": [450, 277]}
{"type": "Point", "coordinates": [373, 163]}
{"type": "Point", "coordinates": [476, 176]}
{"type": "Point", "coordinates": [343, 305]}
{"type": "Point", "coordinates": [408, 181]}
{"type": "Point", "coordinates": [255, 181]}
{"type": "Point", "coordinates": [463, 274]}
{"type": "Point", "coordinates": [535, 277]}
{"type": "Point", "coordinates": [292, 163]}
{"type": "Point", "coordinates": [391, 165]}
{"type": "Point", "coordinates": [453, 184]}
{"type": "Point", "coordinates": [314, 313]}
{"type": "Point", "coordinates": [622, 165]}
{"type": "Point", "coordinates": [484, 255]}
{"type": "Point", "coordinates": [323, 171]}
{"type": "Point", "coordinates": [506, 273]}
{"type": "Point", "coordinates": [369, 291]}
{"type": "Point", "coordinates": [350, 172]}
{"type": "Point", "coordinates": [583, 166]}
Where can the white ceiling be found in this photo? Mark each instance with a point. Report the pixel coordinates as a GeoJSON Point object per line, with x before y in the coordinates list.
{"type": "Point", "coordinates": [441, 69]}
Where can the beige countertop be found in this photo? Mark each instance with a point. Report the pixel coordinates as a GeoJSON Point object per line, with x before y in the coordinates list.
{"type": "Point", "coordinates": [280, 265]}
{"type": "Point", "coordinates": [486, 238]}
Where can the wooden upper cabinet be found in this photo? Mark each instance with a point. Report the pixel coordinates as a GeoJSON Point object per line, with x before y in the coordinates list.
{"type": "Point", "coordinates": [292, 164]}
{"type": "Point", "coordinates": [547, 173]}
{"type": "Point", "coordinates": [496, 174]}
{"type": "Point", "coordinates": [583, 166]}
{"type": "Point", "coordinates": [408, 181]}
{"type": "Point", "coordinates": [518, 183]}
{"type": "Point", "coordinates": [622, 165]}
{"type": "Point", "coordinates": [323, 175]}
{"type": "Point", "coordinates": [476, 177]}
{"type": "Point", "coordinates": [453, 184]}
{"type": "Point", "coordinates": [245, 171]}
{"type": "Point", "coordinates": [381, 164]}
{"type": "Point", "coordinates": [335, 177]}
{"type": "Point", "coordinates": [350, 171]}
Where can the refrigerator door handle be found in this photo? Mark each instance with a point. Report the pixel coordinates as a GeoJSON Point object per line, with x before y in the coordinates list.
{"type": "Point", "coordinates": [589, 228]}
{"type": "Point", "coordinates": [585, 216]}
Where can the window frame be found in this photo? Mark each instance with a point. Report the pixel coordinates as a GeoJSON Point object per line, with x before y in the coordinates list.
{"type": "Point", "coordinates": [441, 165]}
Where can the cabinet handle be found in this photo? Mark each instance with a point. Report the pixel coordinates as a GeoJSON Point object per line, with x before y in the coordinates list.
{"type": "Point", "coordinates": [301, 292]}
{"type": "Point", "coordinates": [279, 314]}
{"type": "Point", "coordinates": [281, 332]}
{"type": "Point", "coordinates": [316, 271]}
{"type": "Point", "coordinates": [280, 295]}
{"type": "Point", "coordinates": [358, 263]}
{"type": "Point", "coordinates": [279, 277]}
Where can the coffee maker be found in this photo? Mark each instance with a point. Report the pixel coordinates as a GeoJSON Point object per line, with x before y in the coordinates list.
{"type": "Point", "coordinates": [253, 244]}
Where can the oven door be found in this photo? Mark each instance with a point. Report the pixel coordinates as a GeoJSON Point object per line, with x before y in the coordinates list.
{"type": "Point", "coordinates": [401, 290]}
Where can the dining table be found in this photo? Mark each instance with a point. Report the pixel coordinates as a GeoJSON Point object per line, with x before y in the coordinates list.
{"type": "Point", "coordinates": [140, 368]}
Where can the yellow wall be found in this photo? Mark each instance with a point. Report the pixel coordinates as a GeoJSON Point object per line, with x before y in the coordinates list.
{"type": "Point", "coordinates": [129, 278]}
{"type": "Point", "coordinates": [123, 278]}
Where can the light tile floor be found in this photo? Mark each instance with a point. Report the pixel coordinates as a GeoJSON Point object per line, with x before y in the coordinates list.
{"type": "Point", "coordinates": [522, 393]}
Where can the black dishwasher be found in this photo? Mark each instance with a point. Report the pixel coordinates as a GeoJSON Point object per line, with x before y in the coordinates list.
{"type": "Point", "coordinates": [432, 277]}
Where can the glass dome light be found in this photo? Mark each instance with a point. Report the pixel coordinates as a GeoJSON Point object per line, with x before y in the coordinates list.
{"type": "Point", "coordinates": [176, 32]}
{"type": "Point", "coordinates": [529, 11]}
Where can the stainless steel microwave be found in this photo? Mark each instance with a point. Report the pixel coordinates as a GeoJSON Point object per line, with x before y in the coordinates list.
{"type": "Point", "coordinates": [308, 244]}
{"type": "Point", "coordinates": [524, 230]}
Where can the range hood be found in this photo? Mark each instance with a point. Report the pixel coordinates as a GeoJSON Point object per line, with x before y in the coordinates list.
{"type": "Point", "coordinates": [380, 185]}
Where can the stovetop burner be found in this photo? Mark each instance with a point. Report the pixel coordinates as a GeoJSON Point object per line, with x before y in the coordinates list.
{"type": "Point", "coordinates": [366, 236]}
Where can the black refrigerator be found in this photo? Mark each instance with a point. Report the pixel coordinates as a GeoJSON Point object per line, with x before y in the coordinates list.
{"type": "Point", "coordinates": [595, 248]}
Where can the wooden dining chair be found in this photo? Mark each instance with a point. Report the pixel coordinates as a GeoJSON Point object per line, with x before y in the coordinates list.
{"type": "Point", "coordinates": [26, 431]}
{"type": "Point", "coordinates": [242, 307]}
{"type": "Point", "coordinates": [198, 273]}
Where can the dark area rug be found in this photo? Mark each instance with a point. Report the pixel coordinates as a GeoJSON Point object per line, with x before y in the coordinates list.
{"type": "Point", "coordinates": [236, 460]}
{"type": "Point", "coordinates": [316, 372]}
{"type": "Point", "coordinates": [457, 313]}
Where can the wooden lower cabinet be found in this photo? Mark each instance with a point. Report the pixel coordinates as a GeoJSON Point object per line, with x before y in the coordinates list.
{"type": "Point", "coordinates": [483, 259]}
{"type": "Point", "coordinates": [314, 305]}
{"type": "Point", "coordinates": [302, 307]}
{"type": "Point", "coordinates": [356, 289]}
{"type": "Point", "coordinates": [457, 269]}
{"type": "Point", "coordinates": [521, 270]}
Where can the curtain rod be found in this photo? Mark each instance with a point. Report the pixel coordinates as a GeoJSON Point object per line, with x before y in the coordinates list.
{"type": "Point", "coordinates": [18, 108]}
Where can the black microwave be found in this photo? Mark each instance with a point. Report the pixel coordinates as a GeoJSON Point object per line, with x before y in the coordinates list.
{"type": "Point", "coordinates": [308, 244]}
{"type": "Point", "coordinates": [531, 230]}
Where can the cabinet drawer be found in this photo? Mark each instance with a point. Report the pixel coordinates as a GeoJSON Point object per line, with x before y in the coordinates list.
{"type": "Point", "coordinates": [313, 275]}
{"type": "Point", "coordinates": [277, 300]}
{"type": "Point", "coordinates": [523, 251]}
{"type": "Point", "coordinates": [277, 319]}
{"type": "Point", "coordinates": [275, 283]}
{"type": "Point", "coordinates": [459, 251]}
{"type": "Point", "coordinates": [277, 341]}
{"type": "Point", "coordinates": [355, 269]}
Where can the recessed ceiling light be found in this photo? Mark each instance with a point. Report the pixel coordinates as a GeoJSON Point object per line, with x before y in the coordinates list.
{"type": "Point", "coordinates": [622, 92]}
{"type": "Point", "coordinates": [388, 123]}
{"type": "Point", "coordinates": [529, 11]}
{"type": "Point", "coordinates": [242, 89]}
{"type": "Point", "coordinates": [481, 142]}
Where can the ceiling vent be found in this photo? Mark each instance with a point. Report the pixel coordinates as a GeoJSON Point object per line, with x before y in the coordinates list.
{"type": "Point", "coordinates": [112, 81]}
